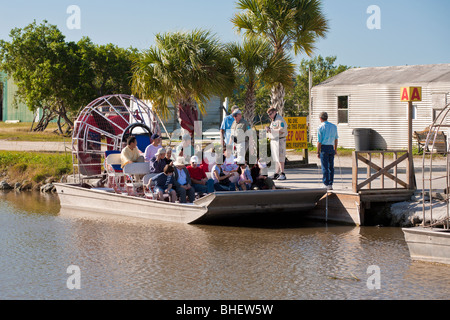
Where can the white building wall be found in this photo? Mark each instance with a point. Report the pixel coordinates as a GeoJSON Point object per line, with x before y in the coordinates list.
{"type": "Point", "coordinates": [377, 107]}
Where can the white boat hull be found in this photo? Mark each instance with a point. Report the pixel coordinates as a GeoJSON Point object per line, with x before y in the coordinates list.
{"type": "Point", "coordinates": [212, 206]}
{"type": "Point", "coordinates": [426, 244]}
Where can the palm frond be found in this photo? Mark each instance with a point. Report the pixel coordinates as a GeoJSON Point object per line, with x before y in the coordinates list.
{"type": "Point", "coordinates": [183, 67]}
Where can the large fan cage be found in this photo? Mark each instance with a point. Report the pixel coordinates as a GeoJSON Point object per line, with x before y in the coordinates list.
{"type": "Point", "coordinates": [430, 198]}
{"type": "Point", "coordinates": [104, 125]}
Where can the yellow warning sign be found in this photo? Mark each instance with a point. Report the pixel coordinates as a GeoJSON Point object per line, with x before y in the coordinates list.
{"type": "Point", "coordinates": [297, 137]}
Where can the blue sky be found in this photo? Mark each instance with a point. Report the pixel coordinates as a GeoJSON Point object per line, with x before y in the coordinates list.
{"type": "Point", "coordinates": [412, 32]}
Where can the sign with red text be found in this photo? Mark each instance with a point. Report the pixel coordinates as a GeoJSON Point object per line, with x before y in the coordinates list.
{"type": "Point", "coordinates": [297, 137]}
{"type": "Point", "coordinates": [411, 94]}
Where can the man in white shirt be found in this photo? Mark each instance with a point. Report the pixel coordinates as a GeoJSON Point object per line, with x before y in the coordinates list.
{"type": "Point", "coordinates": [130, 153]}
{"type": "Point", "coordinates": [277, 133]}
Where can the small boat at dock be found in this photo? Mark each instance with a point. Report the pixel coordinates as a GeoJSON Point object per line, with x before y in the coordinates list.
{"type": "Point", "coordinates": [428, 244]}
{"type": "Point", "coordinates": [213, 206]}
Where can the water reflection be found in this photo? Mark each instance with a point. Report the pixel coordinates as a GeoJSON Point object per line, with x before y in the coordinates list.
{"type": "Point", "coordinates": [31, 201]}
{"type": "Point", "coordinates": [123, 258]}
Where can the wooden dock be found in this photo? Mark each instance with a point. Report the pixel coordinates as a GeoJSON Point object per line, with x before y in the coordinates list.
{"type": "Point", "coordinates": [350, 206]}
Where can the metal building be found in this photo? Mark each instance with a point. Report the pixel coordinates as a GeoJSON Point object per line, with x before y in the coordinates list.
{"type": "Point", "coordinates": [2, 85]}
{"type": "Point", "coordinates": [371, 98]}
{"type": "Point", "coordinates": [9, 109]}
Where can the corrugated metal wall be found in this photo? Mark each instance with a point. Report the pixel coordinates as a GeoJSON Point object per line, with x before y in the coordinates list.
{"type": "Point", "coordinates": [10, 111]}
{"type": "Point", "coordinates": [2, 94]}
{"type": "Point", "coordinates": [377, 107]}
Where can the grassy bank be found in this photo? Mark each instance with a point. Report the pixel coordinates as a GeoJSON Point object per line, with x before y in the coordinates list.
{"type": "Point", "coordinates": [34, 167]}
{"type": "Point", "coordinates": [21, 132]}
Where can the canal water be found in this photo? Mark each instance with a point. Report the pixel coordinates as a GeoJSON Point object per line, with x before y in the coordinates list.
{"type": "Point", "coordinates": [46, 253]}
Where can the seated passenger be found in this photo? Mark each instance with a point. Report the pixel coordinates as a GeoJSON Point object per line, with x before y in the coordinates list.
{"type": "Point", "coordinates": [130, 153]}
{"type": "Point", "coordinates": [245, 177]}
{"type": "Point", "coordinates": [158, 162]}
{"type": "Point", "coordinates": [208, 162]}
{"type": "Point", "coordinates": [229, 166]}
{"type": "Point", "coordinates": [169, 159]}
{"type": "Point", "coordinates": [261, 181]}
{"type": "Point", "coordinates": [164, 183]}
{"type": "Point", "coordinates": [183, 181]}
{"type": "Point", "coordinates": [199, 180]}
{"type": "Point", "coordinates": [221, 180]}
{"type": "Point", "coordinates": [153, 147]}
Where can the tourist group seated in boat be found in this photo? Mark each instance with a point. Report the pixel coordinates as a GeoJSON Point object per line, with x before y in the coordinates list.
{"type": "Point", "coordinates": [187, 181]}
{"type": "Point", "coordinates": [192, 181]}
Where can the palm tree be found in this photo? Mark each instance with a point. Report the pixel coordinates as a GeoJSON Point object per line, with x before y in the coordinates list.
{"type": "Point", "coordinates": [185, 68]}
{"type": "Point", "coordinates": [256, 61]}
{"type": "Point", "coordinates": [286, 24]}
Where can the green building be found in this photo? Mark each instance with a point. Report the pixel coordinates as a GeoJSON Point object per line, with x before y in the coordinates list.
{"type": "Point", "coordinates": [9, 111]}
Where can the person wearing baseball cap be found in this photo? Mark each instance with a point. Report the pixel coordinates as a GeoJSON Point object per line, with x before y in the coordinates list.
{"type": "Point", "coordinates": [225, 127]}
{"type": "Point", "coordinates": [158, 162]}
{"type": "Point", "coordinates": [153, 147]}
{"type": "Point", "coordinates": [199, 180]}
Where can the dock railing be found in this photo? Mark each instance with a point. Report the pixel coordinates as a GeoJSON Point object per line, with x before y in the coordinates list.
{"type": "Point", "coordinates": [378, 173]}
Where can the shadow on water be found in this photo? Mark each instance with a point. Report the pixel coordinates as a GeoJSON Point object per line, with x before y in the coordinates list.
{"type": "Point", "coordinates": [263, 220]}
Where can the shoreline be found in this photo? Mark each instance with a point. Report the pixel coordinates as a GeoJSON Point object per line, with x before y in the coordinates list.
{"type": "Point", "coordinates": [400, 214]}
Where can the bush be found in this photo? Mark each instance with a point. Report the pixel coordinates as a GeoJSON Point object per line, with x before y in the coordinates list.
{"type": "Point", "coordinates": [20, 167]}
{"type": "Point", "coordinates": [39, 177]}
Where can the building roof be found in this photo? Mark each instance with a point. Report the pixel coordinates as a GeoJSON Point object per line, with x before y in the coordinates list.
{"type": "Point", "coordinates": [433, 73]}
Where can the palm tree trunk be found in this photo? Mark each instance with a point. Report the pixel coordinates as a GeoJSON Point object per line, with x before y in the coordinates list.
{"type": "Point", "coordinates": [250, 106]}
{"type": "Point", "coordinates": [277, 98]}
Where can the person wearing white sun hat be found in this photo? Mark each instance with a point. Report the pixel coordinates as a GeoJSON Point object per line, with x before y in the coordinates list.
{"type": "Point", "coordinates": [183, 181]}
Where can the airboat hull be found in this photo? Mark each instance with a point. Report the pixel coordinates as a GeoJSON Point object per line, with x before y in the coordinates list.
{"type": "Point", "coordinates": [428, 244]}
{"type": "Point", "coordinates": [213, 206]}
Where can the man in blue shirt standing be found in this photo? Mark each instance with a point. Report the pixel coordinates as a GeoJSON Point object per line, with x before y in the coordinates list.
{"type": "Point", "coordinates": [225, 127]}
{"type": "Point", "coordinates": [327, 142]}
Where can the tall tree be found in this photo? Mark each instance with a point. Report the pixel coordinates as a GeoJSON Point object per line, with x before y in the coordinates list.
{"type": "Point", "coordinates": [59, 77]}
{"type": "Point", "coordinates": [185, 68]}
{"type": "Point", "coordinates": [258, 64]}
{"type": "Point", "coordinates": [106, 69]}
{"type": "Point", "coordinates": [286, 24]}
{"type": "Point", "coordinates": [45, 68]}
{"type": "Point", "coordinates": [321, 69]}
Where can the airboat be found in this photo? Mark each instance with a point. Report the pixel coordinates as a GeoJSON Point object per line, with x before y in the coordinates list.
{"type": "Point", "coordinates": [100, 132]}
{"type": "Point", "coordinates": [430, 241]}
